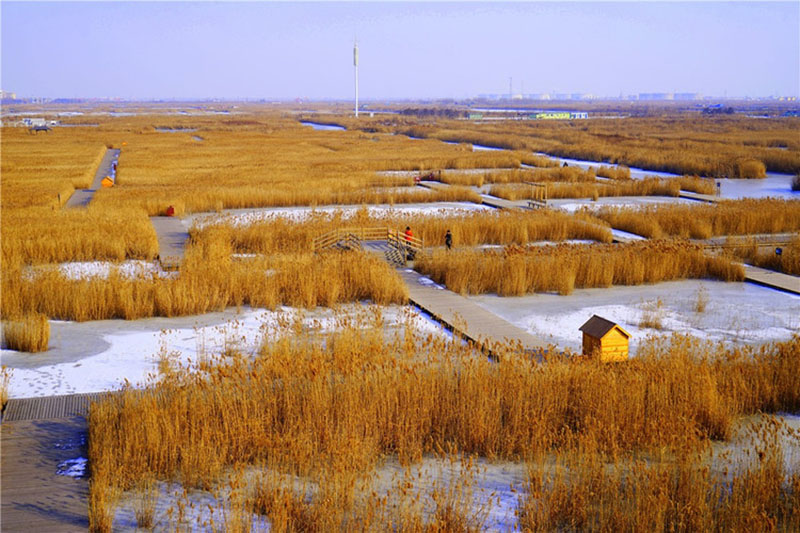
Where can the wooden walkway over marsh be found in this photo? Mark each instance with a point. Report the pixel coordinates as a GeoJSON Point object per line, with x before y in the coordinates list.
{"type": "Point", "coordinates": [463, 316]}
{"type": "Point", "coordinates": [466, 318]}
{"type": "Point", "coordinates": [172, 237]}
{"type": "Point", "coordinates": [82, 197]}
{"type": "Point", "coordinates": [40, 439]}
{"type": "Point", "coordinates": [772, 279]}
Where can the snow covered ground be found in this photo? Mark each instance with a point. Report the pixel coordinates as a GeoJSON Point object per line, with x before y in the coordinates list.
{"type": "Point", "coordinates": [735, 313]}
{"type": "Point", "coordinates": [241, 217]}
{"type": "Point", "coordinates": [102, 355]}
{"type": "Point", "coordinates": [131, 269]}
{"type": "Point", "coordinates": [492, 489]}
{"type": "Point", "coordinates": [774, 185]}
{"type": "Point", "coordinates": [493, 493]}
{"type": "Point", "coordinates": [572, 205]}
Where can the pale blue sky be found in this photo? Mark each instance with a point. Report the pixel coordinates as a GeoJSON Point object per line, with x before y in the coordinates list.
{"type": "Point", "coordinates": [407, 50]}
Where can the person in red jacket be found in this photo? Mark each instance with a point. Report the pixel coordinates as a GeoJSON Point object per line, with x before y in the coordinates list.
{"type": "Point", "coordinates": [408, 235]}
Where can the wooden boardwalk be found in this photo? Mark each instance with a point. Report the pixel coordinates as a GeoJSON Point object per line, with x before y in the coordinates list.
{"type": "Point", "coordinates": [82, 197]}
{"type": "Point", "coordinates": [760, 240]}
{"type": "Point", "coordinates": [172, 237]}
{"type": "Point", "coordinates": [39, 437]}
{"type": "Point", "coordinates": [46, 407]}
{"type": "Point", "coordinates": [769, 278]}
{"type": "Point", "coordinates": [501, 203]}
{"type": "Point", "coordinates": [466, 318]}
{"type": "Point", "coordinates": [700, 197]}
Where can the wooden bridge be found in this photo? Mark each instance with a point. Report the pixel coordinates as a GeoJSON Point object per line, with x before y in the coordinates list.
{"type": "Point", "coordinates": [394, 245]}
{"type": "Point", "coordinates": [459, 314]}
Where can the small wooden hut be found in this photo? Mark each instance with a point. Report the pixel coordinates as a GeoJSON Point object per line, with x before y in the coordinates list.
{"type": "Point", "coordinates": [107, 182]}
{"type": "Point", "coordinates": [605, 339]}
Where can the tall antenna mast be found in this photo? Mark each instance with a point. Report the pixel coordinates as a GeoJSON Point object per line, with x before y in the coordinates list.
{"type": "Point", "coordinates": [355, 64]}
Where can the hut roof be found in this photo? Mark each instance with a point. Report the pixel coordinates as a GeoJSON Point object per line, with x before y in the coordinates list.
{"type": "Point", "coordinates": [598, 326]}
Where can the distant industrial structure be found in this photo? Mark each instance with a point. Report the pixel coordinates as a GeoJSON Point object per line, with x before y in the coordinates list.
{"type": "Point", "coordinates": [355, 66]}
{"type": "Point", "coordinates": [560, 115]}
{"type": "Point", "coordinates": [583, 97]}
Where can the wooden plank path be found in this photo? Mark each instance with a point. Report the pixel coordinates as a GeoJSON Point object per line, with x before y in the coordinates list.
{"type": "Point", "coordinates": [761, 240]}
{"type": "Point", "coordinates": [172, 237]}
{"type": "Point", "coordinates": [38, 435]}
{"type": "Point", "coordinates": [501, 203]}
{"type": "Point", "coordinates": [770, 278]}
{"type": "Point", "coordinates": [465, 317]}
{"type": "Point", "coordinates": [458, 313]}
{"type": "Point", "coordinates": [700, 197]}
{"type": "Point", "coordinates": [82, 197]}
{"type": "Point", "coordinates": [45, 407]}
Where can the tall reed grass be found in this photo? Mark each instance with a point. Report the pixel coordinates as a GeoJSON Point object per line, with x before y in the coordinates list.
{"type": "Point", "coordinates": [673, 491]}
{"type": "Point", "coordinates": [731, 217]}
{"type": "Point", "coordinates": [329, 409]}
{"type": "Point", "coordinates": [562, 268]}
{"type": "Point", "coordinates": [280, 235]}
{"type": "Point", "coordinates": [26, 333]}
{"type": "Point", "coordinates": [208, 280]}
{"type": "Point", "coordinates": [787, 262]}
{"type": "Point", "coordinates": [735, 147]}
{"type": "Point", "coordinates": [5, 379]}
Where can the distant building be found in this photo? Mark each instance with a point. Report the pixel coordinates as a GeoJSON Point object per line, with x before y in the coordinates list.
{"type": "Point", "coordinates": [5, 95]}
{"type": "Point", "coordinates": [656, 96]}
{"type": "Point", "coordinates": [34, 122]}
{"type": "Point", "coordinates": [559, 115]}
{"type": "Point", "coordinates": [688, 96]}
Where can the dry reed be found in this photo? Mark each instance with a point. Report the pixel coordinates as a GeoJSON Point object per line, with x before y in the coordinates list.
{"type": "Point", "coordinates": [280, 235]}
{"type": "Point", "coordinates": [731, 217]}
{"type": "Point", "coordinates": [561, 268]}
{"type": "Point", "coordinates": [673, 491]}
{"type": "Point", "coordinates": [209, 280]}
{"type": "Point", "coordinates": [330, 408]}
{"type": "Point", "coordinates": [750, 252]}
{"type": "Point", "coordinates": [5, 378]}
{"type": "Point", "coordinates": [734, 147]}
{"type": "Point", "coordinates": [27, 333]}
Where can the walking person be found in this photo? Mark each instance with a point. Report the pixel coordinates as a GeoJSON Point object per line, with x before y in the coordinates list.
{"type": "Point", "coordinates": [448, 239]}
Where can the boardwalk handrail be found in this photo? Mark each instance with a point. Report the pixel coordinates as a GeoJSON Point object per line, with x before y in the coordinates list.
{"type": "Point", "coordinates": [353, 237]}
{"type": "Point", "coordinates": [400, 241]}
{"type": "Point", "coordinates": [539, 194]}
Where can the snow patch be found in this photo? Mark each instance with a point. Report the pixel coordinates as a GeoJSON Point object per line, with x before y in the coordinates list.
{"type": "Point", "coordinates": [72, 467]}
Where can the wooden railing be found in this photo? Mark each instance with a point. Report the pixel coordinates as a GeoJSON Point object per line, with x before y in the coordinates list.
{"type": "Point", "coordinates": [354, 237]}
{"type": "Point", "coordinates": [538, 194]}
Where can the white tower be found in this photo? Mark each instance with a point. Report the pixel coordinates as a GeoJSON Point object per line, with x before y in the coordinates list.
{"type": "Point", "coordinates": [355, 64]}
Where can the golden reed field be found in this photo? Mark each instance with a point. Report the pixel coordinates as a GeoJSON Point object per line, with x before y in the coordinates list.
{"type": "Point", "coordinates": [317, 416]}
{"type": "Point", "coordinates": [516, 271]}
{"type": "Point", "coordinates": [682, 143]}
{"type": "Point", "coordinates": [299, 433]}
